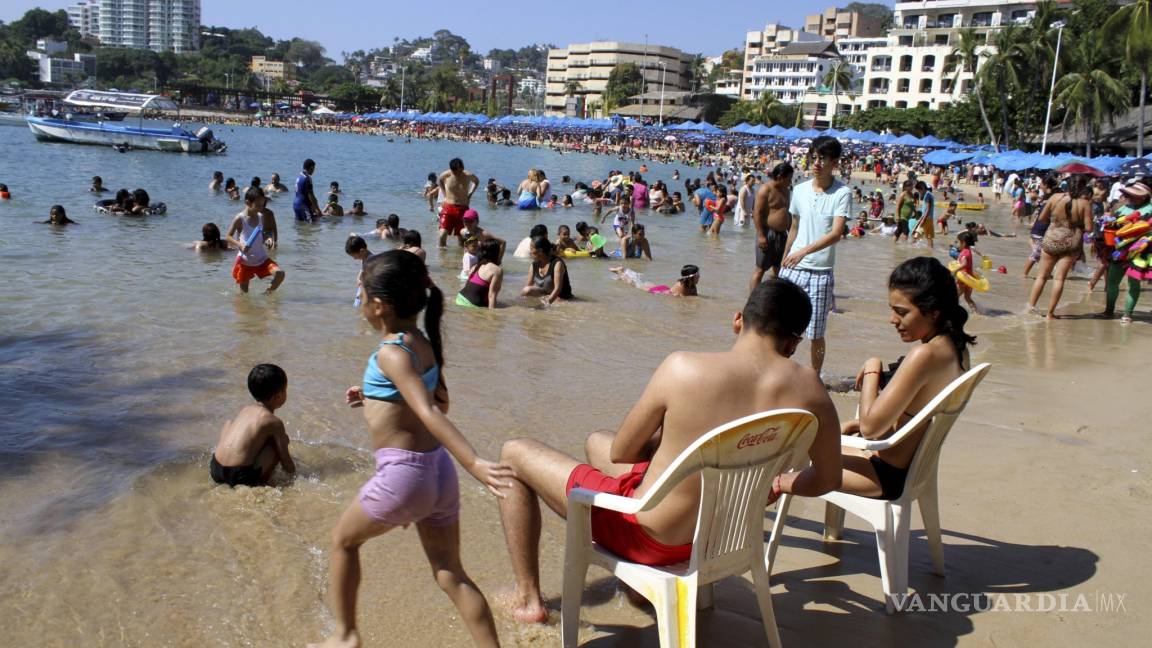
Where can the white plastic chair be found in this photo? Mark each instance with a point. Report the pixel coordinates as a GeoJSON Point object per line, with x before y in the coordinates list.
{"type": "Point", "coordinates": [891, 519]}
{"type": "Point", "coordinates": [737, 462]}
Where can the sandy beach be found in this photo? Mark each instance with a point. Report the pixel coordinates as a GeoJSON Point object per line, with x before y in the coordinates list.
{"type": "Point", "coordinates": [111, 533]}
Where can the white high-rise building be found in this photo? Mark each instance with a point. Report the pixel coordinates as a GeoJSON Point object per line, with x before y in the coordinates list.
{"type": "Point", "coordinates": [84, 17]}
{"type": "Point", "coordinates": [158, 25]}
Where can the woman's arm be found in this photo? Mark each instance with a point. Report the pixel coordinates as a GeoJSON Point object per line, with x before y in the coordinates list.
{"type": "Point", "coordinates": [880, 410]}
{"type": "Point", "coordinates": [494, 284]}
{"type": "Point", "coordinates": [397, 365]}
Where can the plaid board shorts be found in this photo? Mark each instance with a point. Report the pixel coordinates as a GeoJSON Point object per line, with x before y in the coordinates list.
{"type": "Point", "coordinates": [818, 284]}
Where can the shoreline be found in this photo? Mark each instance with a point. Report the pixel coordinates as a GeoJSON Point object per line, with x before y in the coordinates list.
{"type": "Point", "coordinates": [1044, 442]}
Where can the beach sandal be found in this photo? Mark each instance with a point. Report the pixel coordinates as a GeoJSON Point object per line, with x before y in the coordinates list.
{"type": "Point", "coordinates": [1126, 319]}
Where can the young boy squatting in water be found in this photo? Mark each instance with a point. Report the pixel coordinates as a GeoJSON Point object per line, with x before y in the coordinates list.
{"type": "Point", "coordinates": [254, 442]}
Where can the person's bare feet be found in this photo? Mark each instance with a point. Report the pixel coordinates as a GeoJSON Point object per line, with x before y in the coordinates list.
{"type": "Point", "coordinates": [349, 640]}
{"type": "Point", "coordinates": [515, 605]}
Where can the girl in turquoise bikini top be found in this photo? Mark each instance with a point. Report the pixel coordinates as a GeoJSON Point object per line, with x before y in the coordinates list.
{"type": "Point", "coordinates": [377, 386]}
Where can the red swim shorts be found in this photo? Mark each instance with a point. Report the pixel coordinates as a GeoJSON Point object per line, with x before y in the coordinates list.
{"type": "Point", "coordinates": [452, 217]}
{"type": "Point", "coordinates": [245, 273]}
{"type": "Point", "coordinates": [620, 533]}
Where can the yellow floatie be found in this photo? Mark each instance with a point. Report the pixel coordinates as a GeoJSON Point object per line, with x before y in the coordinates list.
{"type": "Point", "coordinates": [577, 253]}
{"type": "Point", "coordinates": [976, 282]}
{"type": "Point", "coordinates": [972, 206]}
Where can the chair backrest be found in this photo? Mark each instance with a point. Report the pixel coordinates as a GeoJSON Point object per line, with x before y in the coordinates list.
{"type": "Point", "coordinates": [737, 462]}
{"type": "Point", "coordinates": [941, 412]}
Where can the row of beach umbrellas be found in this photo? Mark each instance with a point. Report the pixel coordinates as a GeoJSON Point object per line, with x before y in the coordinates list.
{"type": "Point", "coordinates": [947, 151]}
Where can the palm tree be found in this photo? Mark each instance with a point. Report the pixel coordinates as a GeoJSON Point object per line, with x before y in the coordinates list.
{"type": "Point", "coordinates": [839, 77]}
{"type": "Point", "coordinates": [1089, 93]}
{"type": "Point", "coordinates": [765, 106]}
{"type": "Point", "coordinates": [965, 58]}
{"type": "Point", "coordinates": [572, 88]}
{"type": "Point", "coordinates": [1004, 68]}
{"type": "Point", "coordinates": [1132, 25]}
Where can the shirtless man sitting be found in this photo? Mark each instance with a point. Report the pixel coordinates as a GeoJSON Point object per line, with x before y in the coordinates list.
{"type": "Point", "coordinates": [772, 219]}
{"type": "Point", "coordinates": [689, 395]}
{"type": "Point", "coordinates": [457, 185]}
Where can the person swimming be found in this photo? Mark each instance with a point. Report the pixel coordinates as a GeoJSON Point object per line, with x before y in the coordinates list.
{"type": "Point", "coordinates": [210, 239]}
{"type": "Point", "coordinates": [685, 286]}
{"type": "Point", "coordinates": [57, 216]}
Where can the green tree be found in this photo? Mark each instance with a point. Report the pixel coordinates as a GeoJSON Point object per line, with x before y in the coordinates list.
{"type": "Point", "coordinates": [966, 58]}
{"type": "Point", "coordinates": [1131, 25]}
{"type": "Point", "coordinates": [444, 90]}
{"type": "Point", "coordinates": [1088, 92]}
{"type": "Point", "coordinates": [839, 77]}
{"type": "Point", "coordinates": [15, 64]}
{"type": "Point", "coordinates": [1006, 68]}
{"type": "Point", "coordinates": [624, 81]}
{"type": "Point", "coordinates": [572, 88]}
{"type": "Point", "coordinates": [330, 76]}
{"type": "Point", "coordinates": [38, 23]}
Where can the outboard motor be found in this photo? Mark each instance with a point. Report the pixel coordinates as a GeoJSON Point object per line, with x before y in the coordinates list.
{"type": "Point", "coordinates": [208, 141]}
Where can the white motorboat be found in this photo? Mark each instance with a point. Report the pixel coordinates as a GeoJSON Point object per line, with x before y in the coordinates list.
{"type": "Point", "coordinates": [64, 128]}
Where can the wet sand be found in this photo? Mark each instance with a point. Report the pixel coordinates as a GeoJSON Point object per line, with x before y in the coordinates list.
{"type": "Point", "coordinates": [112, 534]}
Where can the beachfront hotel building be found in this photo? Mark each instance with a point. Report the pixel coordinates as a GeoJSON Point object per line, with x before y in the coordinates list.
{"type": "Point", "coordinates": [834, 24]}
{"type": "Point", "coordinates": [767, 42]}
{"type": "Point", "coordinates": [158, 25]}
{"type": "Point", "coordinates": [791, 71]}
{"type": "Point", "coordinates": [913, 68]}
{"type": "Point", "coordinates": [589, 64]}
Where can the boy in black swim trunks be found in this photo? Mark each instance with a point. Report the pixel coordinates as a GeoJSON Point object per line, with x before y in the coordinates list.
{"type": "Point", "coordinates": [254, 442]}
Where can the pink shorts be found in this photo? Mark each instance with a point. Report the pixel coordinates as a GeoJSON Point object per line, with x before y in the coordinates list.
{"type": "Point", "coordinates": [412, 487]}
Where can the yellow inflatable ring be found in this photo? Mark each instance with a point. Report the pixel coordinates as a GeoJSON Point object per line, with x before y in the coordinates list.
{"type": "Point", "coordinates": [977, 282]}
{"type": "Point", "coordinates": [577, 253]}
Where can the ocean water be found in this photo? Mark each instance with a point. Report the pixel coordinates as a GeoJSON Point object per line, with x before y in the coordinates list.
{"type": "Point", "coordinates": [122, 352]}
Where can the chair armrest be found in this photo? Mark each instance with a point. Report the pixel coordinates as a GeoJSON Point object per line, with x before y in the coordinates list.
{"type": "Point", "coordinates": [860, 443]}
{"type": "Point", "coordinates": [604, 500]}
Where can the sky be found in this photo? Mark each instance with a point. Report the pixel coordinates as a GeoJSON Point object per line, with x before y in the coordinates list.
{"type": "Point", "coordinates": [707, 28]}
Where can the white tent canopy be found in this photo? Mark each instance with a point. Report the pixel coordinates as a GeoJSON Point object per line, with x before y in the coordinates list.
{"type": "Point", "coordinates": [323, 110]}
{"type": "Point", "coordinates": [120, 100]}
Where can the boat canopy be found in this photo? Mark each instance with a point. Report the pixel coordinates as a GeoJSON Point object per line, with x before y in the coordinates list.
{"type": "Point", "coordinates": [120, 100]}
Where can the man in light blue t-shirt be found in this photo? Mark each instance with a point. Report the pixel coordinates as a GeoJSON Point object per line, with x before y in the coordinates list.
{"type": "Point", "coordinates": [820, 208]}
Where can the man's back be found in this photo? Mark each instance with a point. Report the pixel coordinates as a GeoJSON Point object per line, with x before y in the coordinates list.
{"type": "Point", "coordinates": [702, 391]}
{"type": "Point", "coordinates": [242, 438]}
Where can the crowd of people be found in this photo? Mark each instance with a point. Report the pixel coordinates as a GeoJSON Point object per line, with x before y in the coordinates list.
{"type": "Point", "coordinates": [800, 203]}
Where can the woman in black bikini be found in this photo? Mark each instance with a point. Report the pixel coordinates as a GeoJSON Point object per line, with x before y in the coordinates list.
{"type": "Point", "coordinates": [926, 309]}
{"type": "Point", "coordinates": [549, 277]}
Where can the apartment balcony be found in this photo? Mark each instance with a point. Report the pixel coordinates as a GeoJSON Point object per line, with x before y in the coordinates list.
{"type": "Point", "coordinates": [881, 68]}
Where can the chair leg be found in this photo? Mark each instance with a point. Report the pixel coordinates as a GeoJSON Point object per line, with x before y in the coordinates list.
{"type": "Point", "coordinates": [886, 549]}
{"type": "Point", "coordinates": [575, 573]}
{"type": "Point", "coordinates": [667, 605]}
{"type": "Point", "coordinates": [706, 597]}
{"type": "Point", "coordinates": [833, 521]}
{"type": "Point", "coordinates": [760, 579]}
{"type": "Point", "coordinates": [778, 529]}
{"type": "Point", "coordinates": [930, 512]}
{"type": "Point", "coordinates": [894, 554]}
